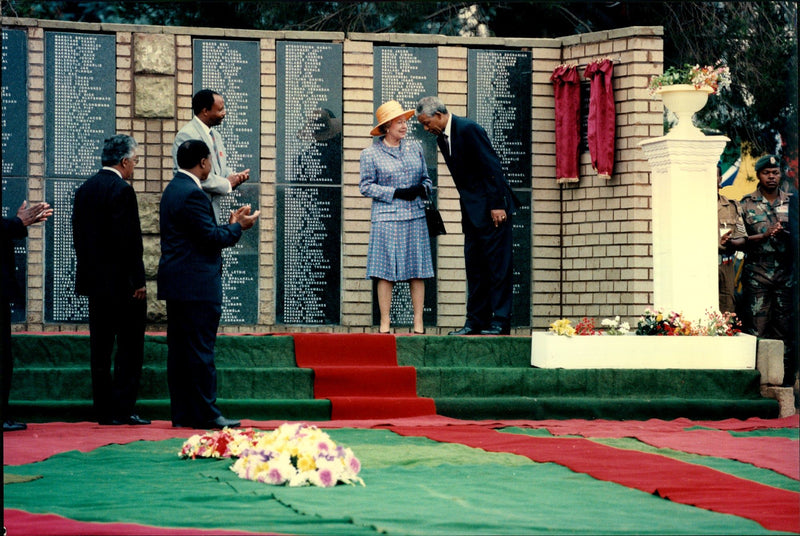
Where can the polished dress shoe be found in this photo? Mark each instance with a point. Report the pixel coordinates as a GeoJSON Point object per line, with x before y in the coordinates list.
{"type": "Point", "coordinates": [466, 330]}
{"type": "Point", "coordinates": [222, 422]}
{"type": "Point", "coordinates": [135, 420]}
{"type": "Point", "coordinates": [496, 329]}
{"type": "Point", "coordinates": [11, 425]}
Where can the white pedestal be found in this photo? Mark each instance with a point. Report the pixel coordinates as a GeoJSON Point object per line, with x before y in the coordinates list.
{"type": "Point", "coordinates": [685, 226]}
{"type": "Point", "coordinates": [549, 350]}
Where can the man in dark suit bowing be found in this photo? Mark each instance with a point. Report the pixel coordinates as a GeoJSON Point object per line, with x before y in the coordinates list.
{"type": "Point", "coordinates": [486, 207]}
{"type": "Point", "coordinates": [190, 279]}
{"type": "Point", "coordinates": [108, 248]}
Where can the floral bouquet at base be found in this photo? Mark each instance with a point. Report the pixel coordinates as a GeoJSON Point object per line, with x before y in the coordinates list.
{"type": "Point", "coordinates": [298, 455]}
{"type": "Point", "coordinates": [659, 323]}
{"type": "Point", "coordinates": [225, 443]}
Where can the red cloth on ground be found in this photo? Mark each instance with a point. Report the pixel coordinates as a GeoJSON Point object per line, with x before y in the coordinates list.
{"type": "Point", "coordinates": [685, 483]}
{"type": "Point", "coordinates": [602, 116]}
{"type": "Point", "coordinates": [21, 522]}
{"type": "Point", "coordinates": [567, 91]}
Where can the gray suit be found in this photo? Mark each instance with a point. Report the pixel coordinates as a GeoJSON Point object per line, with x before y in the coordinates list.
{"type": "Point", "coordinates": [217, 183]}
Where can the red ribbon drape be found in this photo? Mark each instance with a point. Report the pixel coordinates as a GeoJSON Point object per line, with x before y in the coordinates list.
{"type": "Point", "coordinates": [567, 90]}
{"type": "Point", "coordinates": [602, 116]}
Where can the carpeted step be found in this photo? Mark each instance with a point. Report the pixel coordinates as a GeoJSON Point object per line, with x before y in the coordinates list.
{"type": "Point", "coordinates": [617, 408]}
{"type": "Point", "coordinates": [359, 375]}
{"type": "Point", "coordinates": [337, 349]}
{"type": "Point", "coordinates": [379, 407]}
{"type": "Point", "coordinates": [365, 381]}
{"type": "Point", "coordinates": [257, 409]}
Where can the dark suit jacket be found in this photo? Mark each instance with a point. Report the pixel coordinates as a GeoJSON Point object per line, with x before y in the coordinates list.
{"type": "Point", "coordinates": [191, 244]}
{"type": "Point", "coordinates": [12, 229]}
{"type": "Point", "coordinates": [107, 236]}
{"type": "Point", "coordinates": [477, 172]}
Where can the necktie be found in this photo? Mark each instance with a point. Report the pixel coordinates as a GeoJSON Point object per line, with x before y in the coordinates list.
{"type": "Point", "coordinates": [445, 145]}
{"type": "Point", "coordinates": [216, 151]}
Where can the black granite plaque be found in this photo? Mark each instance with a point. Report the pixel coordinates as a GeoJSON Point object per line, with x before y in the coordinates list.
{"type": "Point", "coordinates": [80, 101]}
{"type": "Point", "coordinates": [308, 254]}
{"type": "Point", "coordinates": [585, 94]}
{"type": "Point", "coordinates": [309, 114]}
{"type": "Point", "coordinates": [14, 193]}
{"type": "Point", "coordinates": [61, 303]}
{"type": "Point", "coordinates": [406, 74]}
{"type": "Point", "coordinates": [309, 177]}
{"type": "Point", "coordinates": [499, 99]}
{"type": "Point", "coordinates": [15, 104]}
{"type": "Point", "coordinates": [521, 236]}
{"type": "Point", "coordinates": [80, 113]}
{"type": "Point", "coordinates": [232, 69]}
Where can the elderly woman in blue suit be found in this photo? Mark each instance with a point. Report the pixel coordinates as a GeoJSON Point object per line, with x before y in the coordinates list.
{"type": "Point", "coordinates": [394, 175]}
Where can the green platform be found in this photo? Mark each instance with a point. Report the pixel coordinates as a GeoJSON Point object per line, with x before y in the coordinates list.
{"type": "Point", "coordinates": [468, 378]}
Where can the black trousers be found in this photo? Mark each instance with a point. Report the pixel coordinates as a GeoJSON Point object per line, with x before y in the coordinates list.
{"type": "Point", "coordinates": [8, 359]}
{"type": "Point", "coordinates": [191, 372]}
{"type": "Point", "coordinates": [119, 320]}
{"type": "Point", "coordinates": [488, 262]}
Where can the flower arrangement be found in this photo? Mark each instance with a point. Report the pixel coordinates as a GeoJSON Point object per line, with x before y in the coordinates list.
{"type": "Point", "coordinates": [715, 77]}
{"type": "Point", "coordinates": [586, 327]}
{"type": "Point", "coordinates": [614, 326]}
{"type": "Point", "coordinates": [562, 327]}
{"type": "Point", "coordinates": [298, 455]}
{"type": "Point", "coordinates": [293, 454]}
{"type": "Point", "coordinates": [654, 323]}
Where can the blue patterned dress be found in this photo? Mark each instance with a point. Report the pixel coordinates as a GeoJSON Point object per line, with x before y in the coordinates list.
{"type": "Point", "coordinates": [399, 245]}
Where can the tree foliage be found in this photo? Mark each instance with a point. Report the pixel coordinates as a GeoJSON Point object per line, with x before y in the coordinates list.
{"type": "Point", "coordinates": [757, 39]}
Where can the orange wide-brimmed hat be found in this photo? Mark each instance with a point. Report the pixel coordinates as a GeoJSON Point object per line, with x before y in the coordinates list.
{"type": "Point", "coordinates": [387, 112]}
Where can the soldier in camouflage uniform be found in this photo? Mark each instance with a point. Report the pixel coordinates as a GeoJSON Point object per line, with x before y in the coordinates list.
{"type": "Point", "coordinates": [768, 276]}
{"type": "Point", "coordinates": [732, 234]}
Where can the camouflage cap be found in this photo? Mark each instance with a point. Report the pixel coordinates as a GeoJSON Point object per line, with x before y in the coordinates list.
{"type": "Point", "coordinates": [768, 161]}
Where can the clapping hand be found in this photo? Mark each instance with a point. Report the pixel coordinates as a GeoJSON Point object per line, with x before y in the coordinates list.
{"type": "Point", "coordinates": [243, 217]}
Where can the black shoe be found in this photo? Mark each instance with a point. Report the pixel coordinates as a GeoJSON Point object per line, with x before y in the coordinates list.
{"type": "Point", "coordinates": [496, 329]}
{"type": "Point", "coordinates": [13, 426]}
{"type": "Point", "coordinates": [466, 330]}
{"type": "Point", "coordinates": [135, 420]}
{"type": "Point", "coordinates": [222, 422]}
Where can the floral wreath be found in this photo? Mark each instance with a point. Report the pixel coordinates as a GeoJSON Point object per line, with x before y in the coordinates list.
{"type": "Point", "coordinates": [293, 454]}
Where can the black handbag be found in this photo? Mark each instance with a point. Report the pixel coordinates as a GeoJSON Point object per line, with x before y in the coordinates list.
{"type": "Point", "coordinates": [434, 220]}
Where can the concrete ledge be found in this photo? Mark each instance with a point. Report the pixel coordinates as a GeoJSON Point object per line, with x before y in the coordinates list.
{"type": "Point", "coordinates": [769, 361]}
{"type": "Point", "coordinates": [784, 396]}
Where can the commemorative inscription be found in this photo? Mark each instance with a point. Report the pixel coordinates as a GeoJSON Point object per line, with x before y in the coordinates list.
{"type": "Point", "coordinates": [499, 99]}
{"type": "Point", "coordinates": [232, 69]}
{"type": "Point", "coordinates": [80, 112]}
{"type": "Point", "coordinates": [15, 104]}
{"type": "Point", "coordinates": [406, 74]}
{"type": "Point", "coordinates": [309, 177]}
{"type": "Point", "coordinates": [15, 150]}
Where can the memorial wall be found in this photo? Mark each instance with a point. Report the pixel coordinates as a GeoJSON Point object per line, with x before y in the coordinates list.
{"type": "Point", "coordinates": [299, 109]}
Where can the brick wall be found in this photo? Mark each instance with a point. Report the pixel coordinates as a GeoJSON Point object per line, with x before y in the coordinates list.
{"type": "Point", "coordinates": [591, 240]}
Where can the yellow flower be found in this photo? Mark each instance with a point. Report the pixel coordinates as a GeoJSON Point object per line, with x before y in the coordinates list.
{"type": "Point", "coordinates": [306, 463]}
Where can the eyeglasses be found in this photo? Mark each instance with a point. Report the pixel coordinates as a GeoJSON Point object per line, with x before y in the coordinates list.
{"type": "Point", "coordinates": [135, 160]}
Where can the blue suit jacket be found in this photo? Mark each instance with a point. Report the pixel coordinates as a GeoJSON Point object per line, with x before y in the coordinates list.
{"type": "Point", "coordinates": [477, 172]}
{"type": "Point", "coordinates": [190, 268]}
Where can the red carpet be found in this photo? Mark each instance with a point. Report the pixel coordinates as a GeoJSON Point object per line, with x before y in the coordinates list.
{"type": "Point", "coordinates": [773, 508]}
{"type": "Point", "coordinates": [20, 522]}
{"type": "Point", "coordinates": [360, 376]}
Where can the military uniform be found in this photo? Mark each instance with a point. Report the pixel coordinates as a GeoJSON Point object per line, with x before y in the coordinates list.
{"type": "Point", "coordinates": [730, 219]}
{"type": "Point", "coordinates": [767, 277]}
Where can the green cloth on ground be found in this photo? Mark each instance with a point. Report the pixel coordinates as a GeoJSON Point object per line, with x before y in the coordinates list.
{"type": "Point", "coordinates": [413, 486]}
{"type": "Point", "coordinates": [733, 467]}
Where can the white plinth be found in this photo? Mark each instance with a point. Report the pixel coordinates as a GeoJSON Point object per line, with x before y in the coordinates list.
{"type": "Point", "coordinates": [549, 350]}
{"type": "Point", "coordinates": [685, 227]}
